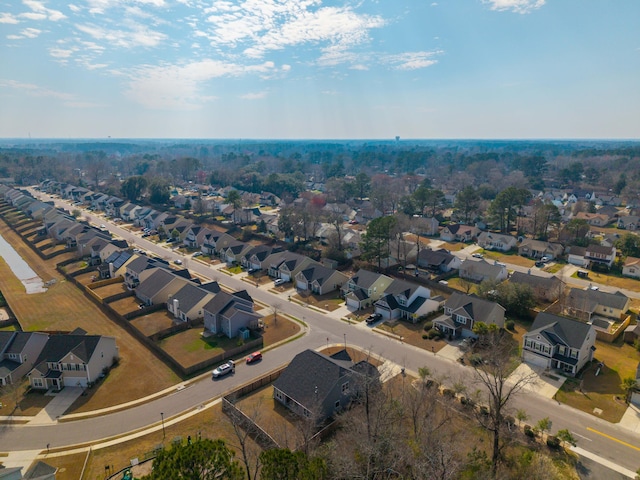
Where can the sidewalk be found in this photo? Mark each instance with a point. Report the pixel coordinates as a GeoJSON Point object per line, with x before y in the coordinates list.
{"type": "Point", "coordinates": [631, 419]}
{"type": "Point", "coordinates": [62, 400]}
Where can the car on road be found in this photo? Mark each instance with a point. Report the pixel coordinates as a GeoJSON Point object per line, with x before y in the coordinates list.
{"type": "Point", "coordinates": [103, 226]}
{"type": "Point", "coordinates": [279, 281]}
{"type": "Point", "coordinates": [477, 255]}
{"type": "Point", "coordinates": [178, 262]}
{"type": "Point", "coordinates": [254, 357]}
{"type": "Point", "coordinates": [224, 369]}
{"type": "Point", "coordinates": [374, 317]}
{"type": "Point", "coordinates": [145, 235]}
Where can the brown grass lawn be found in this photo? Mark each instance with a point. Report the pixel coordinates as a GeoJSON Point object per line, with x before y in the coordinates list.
{"type": "Point", "coordinates": [86, 278]}
{"type": "Point", "coordinates": [211, 423]}
{"type": "Point", "coordinates": [108, 290]}
{"type": "Point", "coordinates": [64, 307]}
{"type": "Point", "coordinates": [153, 322]}
{"type": "Point", "coordinates": [275, 332]}
{"type": "Point", "coordinates": [453, 247]}
{"type": "Point", "coordinates": [28, 404]}
{"type": "Point", "coordinates": [125, 305]}
{"type": "Point", "coordinates": [621, 361]}
{"type": "Point", "coordinates": [69, 467]}
{"type": "Point", "coordinates": [412, 334]}
{"type": "Point", "coordinates": [457, 283]}
{"type": "Point", "coordinates": [190, 347]}
{"type": "Point", "coordinates": [613, 281]}
{"type": "Point", "coordinates": [74, 267]}
{"type": "Point", "coordinates": [327, 302]}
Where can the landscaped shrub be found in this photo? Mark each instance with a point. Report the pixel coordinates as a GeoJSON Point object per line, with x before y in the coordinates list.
{"type": "Point", "coordinates": [428, 326]}
{"type": "Point", "coordinates": [553, 442]}
{"type": "Point", "coordinates": [447, 392]}
{"type": "Point", "coordinates": [425, 336]}
{"type": "Point", "coordinates": [528, 431]}
{"type": "Point", "coordinates": [510, 324]}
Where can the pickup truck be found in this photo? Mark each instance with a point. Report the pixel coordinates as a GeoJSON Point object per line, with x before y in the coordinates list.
{"type": "Point", "coordinates": [224, 369]}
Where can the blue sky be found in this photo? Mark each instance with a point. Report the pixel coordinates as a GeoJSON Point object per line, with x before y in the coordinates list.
{"type": "Point", "coordinates": [320, 68]}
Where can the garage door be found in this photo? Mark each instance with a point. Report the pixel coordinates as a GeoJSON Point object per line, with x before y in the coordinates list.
{"type": "Point", "coordinates": [534, 359]}
{"type": "Point", "coordinates": [353, 303]}
{"type": "Point", "coordinates": [301, 284]}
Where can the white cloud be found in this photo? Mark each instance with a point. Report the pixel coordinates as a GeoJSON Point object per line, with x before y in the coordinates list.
{"type": "Point", "coordinates": [39, 8]}
{"type": "Point", "coordinates": [359, 66]}
{"type": "Point", "coordinates": [14, 37]}
{"type": "Point", "coordinates": [254, 96]}
{"type": "Point", "coordinates": [31, 32]}
{"type": "Point", "coordinates": [61, 52]}
{"type": "Point", "coordinates": [33, 16]}
{"type": "Point", "coordinates": [137, 36]}
{"type": "Point", "coordinates": [99, 7]}
{"type": "Point", "coordinates": [518, 6]}
{"type": "Point", "coordinates": [8, 18]}
{"type": "Point", "coordinates": [180, 86]}
{"type": "Point", "coordinates": [74, 8]}
{"type": "Point", "coordinates": [412, 60]}
{"type": "Point", "coordinates": [285, 68]}
{"type": "Point", "coordinates": [35, 90]}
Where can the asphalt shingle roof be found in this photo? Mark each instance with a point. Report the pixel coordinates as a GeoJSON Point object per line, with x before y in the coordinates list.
{"type": "Point", "coordinates": [560, 330]}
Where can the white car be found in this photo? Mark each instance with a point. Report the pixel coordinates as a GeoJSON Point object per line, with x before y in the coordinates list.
{"type": "Point", "coordinates": [224, 369]}
{"type": "Point", "coordinates": [477, 255]}
{"type": "Point", "coordinates": [103, 226]}
{"type": "Point", "coordinates": [279, 281]}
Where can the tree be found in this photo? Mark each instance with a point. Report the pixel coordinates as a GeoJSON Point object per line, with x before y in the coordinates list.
{"type": "Point", "coordinates": [283, 464]}
{"type": "Point", "coordinates": [543, 425]}
{"type": "Point", "coordinates": [362, 185]}
{"type": "Point", "coordinates": [492, 373]}
{"type": "Point", "coordinates": [158, 191]}
{"type": "Point", "coordinates": [133, 187]}
{"type": "Point", "coordinates": [577, 229]}
{"type": "Point", "coordinates": [566, 436]}
{"type": "Point", "coordinates": [467, 203]}
{"type": "Point", "coordinates": [628, 386]}
{"type": "Point", "coordinates": [201, 460]}
{"type": "Point", "coordinates": [234, 198]}
{"type": "Point", "coordinates": [275, 309]}
{"type": "Point", "coordinates": [504, 207]}
{"type": "Point", "coordinates": [629, 245]}
{"type": "Point", "coordinates": [375, 244]}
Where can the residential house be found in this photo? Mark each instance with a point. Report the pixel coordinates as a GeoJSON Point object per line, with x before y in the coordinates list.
{"type": "Point", "coordinates": [462, 312]}
{"type": "Point", "coordinates": [594, 219]}
{"type": "Point", "coordinates": [629, 222]}
{"type": "Point", "coordinates": [559, 343]}
{"type": "Point", "coordinates": [114, 265]}
{"type": "Point", "coordinates": [631, 267]}
{"type": "Point", "coordinates": [438, 260]}
{"type": "Point", "coordinates": [459, 233]}
{"type": "Point", "coordinates": [230, 313]}
{"type": "Point", "coordinates": [18, 351]}
{"type": "Point", "coordinates": [587, 303]}
{"type": "Point", "coordinates": [577, 256]}
{"type": "Point", "coordinates": [599, 254]}
{"type": "Point", "coordinates": [547, 289]}
{"type": "Point", "coordinates": [428, 226]}
{"type": "Point", "coordinates": [365, 288]}
{"type": "Point", "coordinates": [320, 280]}
{"type": "Point", "coordinates": [496, 241]}
{"type": "Point", "coordinates": [256, 256]}
{"type": "Point", "coordinates": [157, 285]}
{"type": "Point", "coordinates": [286, 265]}
{"type": "Point", "coordinates": [317, 386]}
{"type": "Point", "coordinates": [187, 303]}
{"type": "Point", "coordinates": [406, 300]}
{"type": "Point", "coordinates": [195, 236]}
{"type": "Point", "coordinates": [216, 242]}
{"type": "Point", "coordinates": [73, 360]}
{"type": "Point", "coordinates": [481, 270]}
{"type": "Point", "coordinates": [538, 249]}
{"type": "Point", "coordinates": [234, 253]}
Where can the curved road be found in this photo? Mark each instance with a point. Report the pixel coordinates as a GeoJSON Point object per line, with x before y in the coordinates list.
{"type": "Point", "coordinates": [609, 441]}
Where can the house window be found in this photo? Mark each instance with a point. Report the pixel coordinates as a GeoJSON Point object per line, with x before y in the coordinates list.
{"type": "Point", "coordinates": [337, 404]}
{"type": "Point", "coordinates": [37, 382]}
{"type": "Point", "coordinates": [461, 319]}
{"type": "Point", "coordinates": [402, 301]}
{"type": "Point", "coordinates": [345, 387]}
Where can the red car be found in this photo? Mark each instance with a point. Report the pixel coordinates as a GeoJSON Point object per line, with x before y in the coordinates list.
{"type": "Point", "coordinates": [254, 357]}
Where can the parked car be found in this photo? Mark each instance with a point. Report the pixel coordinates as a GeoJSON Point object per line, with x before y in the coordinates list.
{"type": "Point", "coordinates": [198, 254]}
{"type": "Point", "coordinates": [178, 262]}
{"type": "Point", "coordinates": [103, 226]}
{"type": "Point", "coordinates": [545, 259]}
{"type": "Point", "coordinates": [252, 271]}
{"type": "Point", "coordinates": [539, 264]}
{"type": "Point", "coordinates": [477, 255]}
{"type": "Point", "coordinates": [279, 281]}
{"type": "Point", "coordinates": [224, 369]}
{"type": "Point", "coordinates": [374, 317]}
{"type": "Point", "coordinates": [254, 357]}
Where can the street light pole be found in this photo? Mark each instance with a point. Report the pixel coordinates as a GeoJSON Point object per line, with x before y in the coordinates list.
{"type": "Point", "coordinates": [164, 435]}
{"type": "Point", "coordinates": [345, 340]}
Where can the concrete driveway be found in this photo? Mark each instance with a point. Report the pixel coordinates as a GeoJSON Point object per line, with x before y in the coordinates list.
{"type": "Point", "coordinates": [544, 383]}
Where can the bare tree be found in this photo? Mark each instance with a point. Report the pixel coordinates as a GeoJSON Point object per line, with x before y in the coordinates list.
{"type": "Point", "coordinates": [249, 450]}
{"type": "Point", "coordinates": [493, 373]}
{"type": "Point", "coordinates": [275, 309]}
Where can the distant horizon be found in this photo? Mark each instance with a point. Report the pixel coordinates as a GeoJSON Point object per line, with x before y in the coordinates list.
{"type": "Point", "coordinates": [323, 69]}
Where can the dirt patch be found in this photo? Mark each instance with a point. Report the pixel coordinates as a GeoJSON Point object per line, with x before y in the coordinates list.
{"type": "Point", "coordinates": [109, 290]}
{"type": "Point", "coordinates": [277, 331]}
{"type": "Point", "coordinates": [153, 322]}
{"type": "Point", "coordinates": [412, 334]}
{"type": "Point", "coordinates": [125, 305]}
{"type": "Point", "coordinates": [330, 301]}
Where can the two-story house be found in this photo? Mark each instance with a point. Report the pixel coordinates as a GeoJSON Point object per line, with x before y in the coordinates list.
{"type": "Point", "coordinates": [559, 343]}
{"type": "Point", "coordinates": [599, 254]}
{"type": "Point", "coordinates": [229, 313]}
{"type": "Point", "coordinates": [631, 267]}
{"type": "Point", "coordinates": [365, 288]}
{"type": "Point", "coordinates": [158, 285]}
{"type": "Point", "coordinates": [186, 304]}
{"type": "Point", "coordinates": [462, 312]}
{"type": "Point", "coordinates": [320, 280]}
{"type": "Point", "coordinates": [438, 260]}
{"type": "Point", "coordinates": [406, 300]}
{"type": "Point", "coordinates": [18, 352]}
{"type": "Point", "coordinates": [459, 233]}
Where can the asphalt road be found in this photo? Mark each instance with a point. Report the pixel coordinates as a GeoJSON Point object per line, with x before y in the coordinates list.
{"type": "Point", "coordinates": [599, 437]}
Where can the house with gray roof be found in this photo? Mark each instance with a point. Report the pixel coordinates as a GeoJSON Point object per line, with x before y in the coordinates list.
{"type": "Point", "coordinates": [538, 249]}
{"type": "Point", "coordinates": [255, 257]}
{"type": "Point", "coordinates": [559, 343]}
{"type": "Point", "coordinates": [497, 241]}
{"type": "Point", "coordinates": [440, 260]}
{"type": "Point", "coordinates": [286, 265]}
{"type": "Point", "coordinates": [320, 280]}
{"type": "Point", "coordinates": [462, 312]}
{"type": "Point", "coordinates": [139, 264]}
{"type": "Point", "coordinates": [631, 267]}
{"type": "Point", "coordinates": [234, 253]}
{"type": "Point", "coordinates": [229, 313]}
{"type": "Point", "coordinates": [588, 303]}
{"type": "Point", "coordinates": [186, 304]}
{"type": "Point", "coordinates": [216, 242]}
{"type": "Point", "coordinates": [544, 288]}
{"type": "Point", "coordinates": [72, 360]}
{"type": "Point", "coordinates": [18, 352]}
{"type": "Point", "coordinates": [157, 285]}
{"type": "Point", "coordinates": [365, 288]}
{"type": "Point", "coordinates": [481, 270]}
{"type": "Point", "coordinates": [459, 233]}
{"type": "Point", "coordinates": [406, 300]}
{"type": "Point", "coordinates": [317, 386]}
